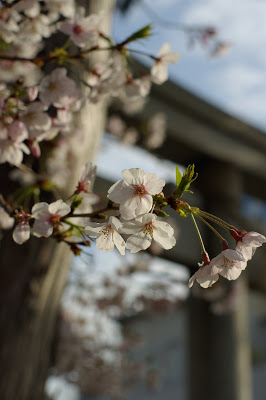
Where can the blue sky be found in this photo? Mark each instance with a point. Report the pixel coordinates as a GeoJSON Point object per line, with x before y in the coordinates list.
{"type": "Point", "coordinates": [235, 82]}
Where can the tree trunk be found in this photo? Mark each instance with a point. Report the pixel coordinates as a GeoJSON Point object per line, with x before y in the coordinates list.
{"type": "Point", "coordinates": [33, 277]}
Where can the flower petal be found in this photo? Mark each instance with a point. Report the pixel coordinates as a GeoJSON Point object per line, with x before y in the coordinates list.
{"type": "Point", "coordinates": [165, 243]}
{"type": "Point", "coordinates": [153, 184]}
{"type": "Point", "coordinates": [120, 192]}
{"type": "Point", "coordinates": [21, 233]}
{"type": "Point", "coordinates": [119, 243]}
{"type": "Point", "coordinates": [40, 209]}
{"type": "Point", "coordinates": [42, 228]}
{"type": "Point", "coordinates": [233, 255]}
{"type": "Point", "coordinates": [133, 176]}
{"type": "Point", "coordinates": [138, 242]}
{"type": "Point", "coordinates": [231, 273]}
{"type": "Point", "coordinates": [59, 208]}
{"type": "Point", "coordinates": [105, 242]}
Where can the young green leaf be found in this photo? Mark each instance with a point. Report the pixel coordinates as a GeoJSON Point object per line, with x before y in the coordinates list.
{"type": "Point", "coordinates": [188, 177]}
{"type": "Point", "coordinates": [140, 34]}
{"type": "Point", "coordinates": [178, 176]}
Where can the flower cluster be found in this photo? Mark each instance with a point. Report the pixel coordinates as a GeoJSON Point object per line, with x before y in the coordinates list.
{"type": "Point", "coordinates": [229, 263]}
{"type": "Point", "coordinates": [133, 220]}
{"type": "Point", "coordinates": [36, 105]}
{"type": "Point", "coordinates": [134, 195]}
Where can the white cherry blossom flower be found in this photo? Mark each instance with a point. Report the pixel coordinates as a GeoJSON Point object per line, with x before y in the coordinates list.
{"type": "Point", "coordinates": [82, 31]}
{"type": "Point", "coordinates": [107, 235]}
{"type": "Point", "coordinates": [31, 8]}
{"type": "Point", "coordinates": [63, 7]}
{"type": "Point", "coordinates": [47, 216]}
{"type": "Point", "coordinates": [11, 146]}
{"type": "Point", "coordinates": [137, 88]}
{"type": "Point", "coordinates": [159, 70]}
{"type": "Point", "coordinates": [204, 276]}
{"type": "Point", "coordinates": [86, 178]}
{"type": "Point", "coordinates": [249, 243]}
{"type": "Point", "coordinates": [35, 29]}
{"type": "Point", "coordinates": [134, 193]}
{"type": "Point", "coordinates": [99, 72]}
{"type": "Point", "coordinates": [58, 89]}
{"type": "Point", "coordinates": [146, 228]}
{"type": "Point", "coordinates": [21, 233]}
{"type": "Point", "coordinates": [229, 264]}
{"type": "Point", "coordinates": [6, 222]}
{"type": "Point", "coordinates": [34, 117]}
{"type": "Point", "coordinates": [32, 92]}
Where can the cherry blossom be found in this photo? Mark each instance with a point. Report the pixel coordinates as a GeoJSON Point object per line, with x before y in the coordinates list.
{"type": "Point", "coordinates": [145, 228]}
{"type": "Point", "coordinates": [63, 7]}
{"type": "Point", "coordinates": [107, 235]}
{"type": "Point", "coordinates": [134, 193]}
{"type": "Point", "coordinates": [6, 222]}
{"type": "Point", "coordinates": [58, 89]}
{"type": "Point", "coordinates": [35, 118]}
{"type": "Point", "coordinates": [136, 88]}
{"type": "Point", "coordinates": [205, 276]}
{"type": "Point", "coordinates": [31, 8]}
{"type": "Point", "coordinates": [47, 216]}
{"type": "Point", "coordinates": [159, 70]}
{"type": "Point", "coordinates": [86, 178]}
{"type": "Point", "coordinates": [21, 233]}
{"type": "Point", "coordinates": [32, 92]}
{"type": "Point", "coordinates": [83, 31]}
{"type": "Point", "coordinates": [11, 146]}
{"type": "Point", "coordinates": [99, 72]}
{"type": "Point", "coordinates": [249, 243]}
{"type": "Point", "coordinates": [35, 29]}
{"type": "Point", "coordinates": [229, 264]}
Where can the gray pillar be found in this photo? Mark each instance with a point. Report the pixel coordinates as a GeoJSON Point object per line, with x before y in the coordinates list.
{"type": "Point", "coordinates": [219, 361]}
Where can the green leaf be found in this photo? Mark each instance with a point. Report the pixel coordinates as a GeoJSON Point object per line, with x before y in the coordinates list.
{"type": "Point", "coordinates": [188, 177]}
{"type": "Point", "coordinates": [178, 176]}
{"type": "Point", "coordinates": [140, 34]}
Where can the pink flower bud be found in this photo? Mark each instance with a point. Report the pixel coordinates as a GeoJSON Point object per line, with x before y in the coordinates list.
{"type": "Point", "coordinates": [32, 93]}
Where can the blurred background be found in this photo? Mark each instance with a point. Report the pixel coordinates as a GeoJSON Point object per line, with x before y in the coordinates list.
{"type": "Point", "coordinates": [129, 328]}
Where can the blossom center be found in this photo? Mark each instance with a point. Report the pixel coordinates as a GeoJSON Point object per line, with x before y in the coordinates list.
{"type": "Point", "coordinates": [53, 86]}
{"type": "Point", "coordinates": [77, 29]}
{"type": "Point", "coordinates": [139, 190]}
{"type": "Point", "coordinates": [107, 230]}
{"type": "Point", "coordinates": [82, 187]}
{"type": "Point", "coordinates": [55, 219]}
{"type": "Point", "coordinates": [148, 229]}
{"type": "Point", "coordinates": [228, 263]}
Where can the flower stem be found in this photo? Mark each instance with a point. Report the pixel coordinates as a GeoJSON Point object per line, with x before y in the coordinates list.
{"type": "Point", "coordinates": [212, 228]}
{"type": "Point", "coordinates": [198, 232]}
{"type": "Point", "coordinates": [142, 53]}
{"type": "Point", "coordinates": [216, 220]}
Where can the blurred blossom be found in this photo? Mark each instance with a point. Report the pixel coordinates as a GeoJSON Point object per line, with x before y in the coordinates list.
{"type": "Point", "coordinates": [130, 136]}
{"type": "Point", "coordinates": [156, 131]}
{"type": "Point", "coordinates": [116, 126]}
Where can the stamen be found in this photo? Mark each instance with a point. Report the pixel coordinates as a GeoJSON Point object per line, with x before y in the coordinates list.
{"type": "Point", "coordinates": [139, 190]}
{"type": "Point", "coordinates": [148, 229]}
